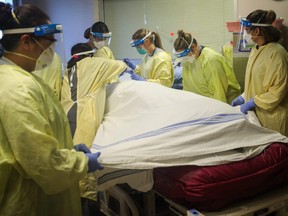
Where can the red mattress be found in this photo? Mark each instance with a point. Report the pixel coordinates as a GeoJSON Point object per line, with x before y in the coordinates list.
{"type": "Point", "coordinates": [211, 188]}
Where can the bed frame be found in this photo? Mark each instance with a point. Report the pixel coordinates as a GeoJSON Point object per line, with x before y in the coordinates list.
{"type": "Point", "coordinates": [273, 203]}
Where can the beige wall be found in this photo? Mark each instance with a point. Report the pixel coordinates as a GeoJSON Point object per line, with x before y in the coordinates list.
{"type": "Point", "coordinates": [244, 7]}
{"type": "Point", "coordinates": [205, 19]}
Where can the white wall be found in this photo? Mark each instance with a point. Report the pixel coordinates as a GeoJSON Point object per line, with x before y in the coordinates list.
{"type": "Point", "coordinates": [247, 6]}
{"type": "Point", "coordinates": [124, 17]}
{"type": "Point", "coordinates": [74, 15]}
{"type": "Point", "coordinates": [205, 19]}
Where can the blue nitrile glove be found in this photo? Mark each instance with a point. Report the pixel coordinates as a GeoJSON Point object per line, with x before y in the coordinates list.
{"type": "Point", "coordinates": [129, 63]}
{"type": "Point", "coordinates": [249, 105]}
{"type": "Point", "coordinates": [93, 163]}
{"type": "Point", "coordinates": [238, 101]}
{"type": "Point", "coordinates": [82, 147]}
{"type": "Point", "coordinates": [128, 71]}
{"type": "Point", "coordinates": [135, 76]}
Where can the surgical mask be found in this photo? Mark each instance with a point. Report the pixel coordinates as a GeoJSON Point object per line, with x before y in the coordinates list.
{"type": "Point", "coordinates": [249, 43]}
{"type": "Point", "coordinates": [99, 44]}
{"type": "Point", "coordinates": [141, 51]}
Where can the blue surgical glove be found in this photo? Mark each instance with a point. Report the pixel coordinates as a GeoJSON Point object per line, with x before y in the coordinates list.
{"type": "Point", "coordinates": [82, 147]}
{"type": "Point", "coordinates": [129, 63]}
{"type": "Point", "coordinates": [238, 101]}
{"type": "Point", "coordinates": [135, 76]}
{"type": "Point", "coordinates": [249, 105]}
{"type": "Point", "coordinates": [130, 72]}
{"type": "Point", "coordinates": [93, 163]}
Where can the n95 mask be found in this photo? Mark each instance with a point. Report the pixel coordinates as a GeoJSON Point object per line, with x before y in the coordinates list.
{"type": "Point", "coordinates": [99, 44]}
{"type": "Point", "coordinates": [45, 59]}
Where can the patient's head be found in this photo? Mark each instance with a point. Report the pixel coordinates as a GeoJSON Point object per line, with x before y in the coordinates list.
{"type": "Point", "coordinates": [78, 52]}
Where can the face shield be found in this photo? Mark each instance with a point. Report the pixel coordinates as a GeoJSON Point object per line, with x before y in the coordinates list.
{"type": "Point", "coordinates": [50, 32]}
{"type": "Point", "coordinates": [245, 42]}
{"type": "Point", "coordinates": [101, 39]}
{"type": "Point", "coordinates": [182, 56]}
{"type": "Point", "coordinates": [182, 53]}
{"type": "Point", "coordinates": [135, 43]}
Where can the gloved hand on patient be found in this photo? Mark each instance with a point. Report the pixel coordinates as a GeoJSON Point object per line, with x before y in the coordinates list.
{"type": "Point", "coordinates": [249, 105]}
{"type": "Point", "coordinates": [129, 63]}
{"type": "Point", "coordinates": [238, 101]}
{"type": "Point", "coordinates": [93, 163]}
{"type": "Point", "coordinates": [82, 147]}
{"type": "Point", "coordinates": [135, 76]}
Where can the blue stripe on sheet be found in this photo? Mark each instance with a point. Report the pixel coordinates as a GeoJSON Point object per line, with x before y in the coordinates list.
{"type": "Point", "coordinates": [116, 174]}
{"type": "Point", "coordinates": [211, 120]}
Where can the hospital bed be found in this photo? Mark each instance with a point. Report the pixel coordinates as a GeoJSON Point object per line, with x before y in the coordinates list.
{"type": "Point", "coordinates": [256, 186]}
{"type": "Point", "coordinates": [204, 157]}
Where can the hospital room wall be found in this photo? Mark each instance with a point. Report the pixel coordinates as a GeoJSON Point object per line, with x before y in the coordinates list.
{"type": "Point", "coordinates": [205, 19]}
{"type": "Point", "coordinates": [244, 7]}
{"type": "Point", "coordinates": [75, 16]}
{"type": "Point", "coordinates": [124, 17]}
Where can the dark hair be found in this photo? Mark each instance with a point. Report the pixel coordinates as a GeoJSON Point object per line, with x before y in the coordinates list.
{"type": "Point", "coordinates": [154, 37]}
{"type": "Point", "coordinates": [25, 16]}
{"type": "Point", "coordinates": [270, 33]}
{"type": "Point", "coordinates": [183, 40]}
{"type": "Point", "coordinates": [99, 26]}
{"type": "Point", "coordinates": [77, 48]}
{"type": "Point", "coordinates": [80, 47]}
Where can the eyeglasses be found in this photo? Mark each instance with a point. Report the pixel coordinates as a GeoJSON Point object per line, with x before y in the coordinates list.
{"type": "Point", "coordinates": [52, 40]}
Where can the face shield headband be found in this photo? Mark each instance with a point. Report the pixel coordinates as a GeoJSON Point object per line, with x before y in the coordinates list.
{"type": "Point", "coordinates": [38, 31]}
{"type": "Point", "coordinates": [248, 24]}
{"type": "Point", "coordinates": [102, 36]}
{"type": "Point", "coordinates": [184, 52]}
{"type": "Point", "coordinates": [135, 43]}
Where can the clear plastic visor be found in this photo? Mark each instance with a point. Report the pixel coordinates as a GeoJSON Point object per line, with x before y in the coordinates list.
{"type": "Point", "coordinates": [50, 32]}
{"type": "Point", "coordinates": [182, 53]}
{"type": "Point", "coordinates": [98, 36]}
{"type": "Point", "coordinates": [135, 43]}
{"type": "Point", "coordinates": [244, 44]}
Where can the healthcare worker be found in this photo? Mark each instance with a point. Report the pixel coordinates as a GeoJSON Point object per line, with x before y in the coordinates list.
{"type": "Point", "coordinates": [205, 71]}
{"type": "Point", "coordinates": [83, 98]}
{"type": "Point", "coordinates": [39, 169]}
{"type": "Point", "coordinates": [156, 65]}
{"type": "Point", "coordinates": [266, 78]}
{"type": "Point", "coordinates": [84, 91]}
{"type": "Point", "coordinates": [99, 39]}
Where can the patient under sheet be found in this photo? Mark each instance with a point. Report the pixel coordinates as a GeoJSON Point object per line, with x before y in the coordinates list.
{"type": "Point", "coordinates": [147, 125]}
